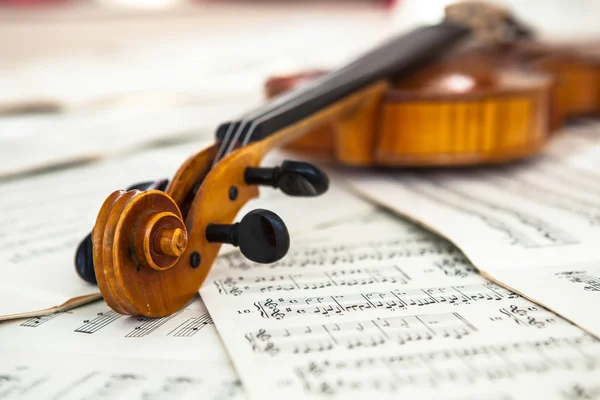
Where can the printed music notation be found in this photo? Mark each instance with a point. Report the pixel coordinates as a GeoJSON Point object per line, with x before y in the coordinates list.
{"type": "Point", "coordinates": [149, 325]}
{"type": "Point", "coordinates": [467, 365]}
{"type": "Point", "coordinates": [172, 388]}
{"type": "Point", "coordinates": [542, 190]}
{"type": "Point", "coordinates": [37, 321]}
{"type": "Point", "coordinates": [65, 376]}
{"type": "Point", "coordinates": [580, 391]}
{"type": "Point", "coordinates": [531, 316]}
{"type": "Point", "coordinates": [456, 266]}
{"type": "Point", "coordinates": [311, 281]}
{"type": "Point", "coordinates": [114, 384]}
{"type": "Point", "coordinates": [590, 282]}
{"type": "Point", "coordinates": [191, 326]}
{"type": "Point", "coordinates": [395, 299]}
{"type": "Point", "coordinates": [520, 224]}
{"type": "Point", "coordinates": [368, 333]}
{"type": "Point", "coordinates": [532, 232]}
{"type": "Point", "coordinates": [115, 331]}
{"type": "Point", "coordinates": [563, 174]}
{"type": "Point", "coordinates": [102, 320]}
{"type": "Point", "coordinates": [359, 253]}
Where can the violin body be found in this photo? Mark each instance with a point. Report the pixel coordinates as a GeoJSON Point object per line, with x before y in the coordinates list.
{"type": "Point", "coordinates": [479, 105]}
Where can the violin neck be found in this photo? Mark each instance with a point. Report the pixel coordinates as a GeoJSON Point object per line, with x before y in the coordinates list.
{"type": "Point", "coordinates": [396, 58]}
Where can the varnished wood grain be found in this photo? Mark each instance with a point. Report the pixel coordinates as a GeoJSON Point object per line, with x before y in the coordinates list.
{"type": "Point", "coordinates": [514, 97]}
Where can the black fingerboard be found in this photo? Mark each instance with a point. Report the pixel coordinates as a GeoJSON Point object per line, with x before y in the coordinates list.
{"type": "Point", "coordinates": [395, 58]}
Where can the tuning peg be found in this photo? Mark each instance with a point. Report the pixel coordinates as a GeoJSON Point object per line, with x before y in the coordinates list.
{"type": "Point", "coordinates": [84, 255]}
{"type": "Point", "coordinates": [84, 260]}
{"type": "Point", "coordinates": [150, 185]}
{"type": "Point", "coordinates": [261, 236]}
{"type": "Point", "coordinates": [294, 178]}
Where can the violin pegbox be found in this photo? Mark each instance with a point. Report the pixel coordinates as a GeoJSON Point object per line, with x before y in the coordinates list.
{"type": "Point", "coordinates": [153, 246]}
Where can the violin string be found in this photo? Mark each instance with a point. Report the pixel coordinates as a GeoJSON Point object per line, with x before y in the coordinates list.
{"type": "Point", "coordinates": [373, 64]}
{"type": "Point", "coordinates": [285, 103]}
{"type": "Point", "coordinates": [261, 118]}
{"type": "Point", "coordinates": [222, 145]}
{"type": "Point", "coordinates": [238, 131]}
{"type": "Point", "coordinates": [232, 136]}
{"type": "Point", "coordinates": [281, 103]}
{"type": "Point", "coordinates": [258, 117]}
{"type": "Point", "coordinates": [230, 129]}
{"type": "Point", "coordinates": [324, 84]}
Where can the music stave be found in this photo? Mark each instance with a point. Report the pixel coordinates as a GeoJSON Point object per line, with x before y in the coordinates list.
{"type": "Point", "coordinates": [311, 281]}
{"type": "Point", "coordinates": [465, 365]}
{"type": "Point", "coordinates": [395, 299]}
{"type": "Point", "coordinates": [359, 334]}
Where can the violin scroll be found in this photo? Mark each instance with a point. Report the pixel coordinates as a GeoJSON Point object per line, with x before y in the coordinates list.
{"type": "Point", "coordinates": [154, 244]}
{"type": "Point", "coordinates": [84, 257]}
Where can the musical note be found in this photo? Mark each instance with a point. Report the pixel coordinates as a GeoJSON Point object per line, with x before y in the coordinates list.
{"type": "Point", "coordinates": [459, 366]}
{"type": "Point", "coordinates": [64, 375]}
{"type": "Point", "coordinates": [542, 235]}
{"type": "Point", "coordinates": [590, 282]}
{"type": "Point", "coordinates": [363, 333]}
{"type": "Point", "coordinates": [102, 320]}
{"type": "Point", "coordinates": [446, 330]}
{"type": "Point", "coordinates": [359, 253]}
{"type": "Point", "coordinates": [191, 326]}
{"type": "Point", "coordinates": [532, 316]}
{"type": "Point", "coordinates": [392, 300]}
{"type": "Point", "coordinates": [37, 321]}
{"type": "Point", "coordinates": [525, 225]}
{"type": "Point", "coordinates": [312, 281]}
{"type": "Point", "coordinates": [149, 325]}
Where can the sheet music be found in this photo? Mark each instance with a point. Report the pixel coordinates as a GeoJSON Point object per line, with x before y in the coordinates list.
{"type": "Point", "coordinates": [175, 78]}
{"type": "Point", "coordinates": [528, 225]}
{"type": "Point", "coordinates": [188, 334]}
{"type": "Point", "coordinates": [46, 216]}
{"type": "Point", "coordinates": [401, 313]}
{"type": "Point", "coordinates": [33, 143]}
{"type": "Point", "coordinates": [92, 352]}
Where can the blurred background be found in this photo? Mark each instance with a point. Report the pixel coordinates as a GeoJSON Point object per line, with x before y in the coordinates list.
{"type": "Point", "coordinates": [85, 79]}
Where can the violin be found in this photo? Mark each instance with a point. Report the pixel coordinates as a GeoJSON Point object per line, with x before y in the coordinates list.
{"type": "Point", "coordinates": [153, 244]}
{"type": "Point", "coordinates": [482, 103]}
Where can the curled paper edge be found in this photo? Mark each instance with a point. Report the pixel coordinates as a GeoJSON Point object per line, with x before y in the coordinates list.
{"type": "Point", "coordinates": [67, 305]}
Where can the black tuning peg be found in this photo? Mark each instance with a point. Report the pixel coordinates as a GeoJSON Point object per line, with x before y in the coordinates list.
{"type": "Point", "coordinates": [294, 178]}
{"type": "Point", "coordinates": [261, 236]}
{"type": "Point", "coordinates": [150, 185]}
{"type": "Point", "coordinates": [84, 260]}
{"type": "Point", "coordinates": [84, 256]}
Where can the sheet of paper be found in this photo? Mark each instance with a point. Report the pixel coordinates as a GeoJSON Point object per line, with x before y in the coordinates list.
{"type": "Point", "coordinates": [121, 83]}
{"type": "Point", "coordinates": [34, 142]}
{"type": "Point", "coordinates": [523, 224]}
{"type": "Point", "coordinates": [91, 352]}
{"type": "Point", "coordinates": [381, 308]}
{"type": "Point", "coordinates": [46, 216]}
{"type": "Point", "coordinates": [181, 76]}
{"type": "Point", "coordinates": [199, 52]}
{"type": "Point", "coordinates": [70, 377]}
